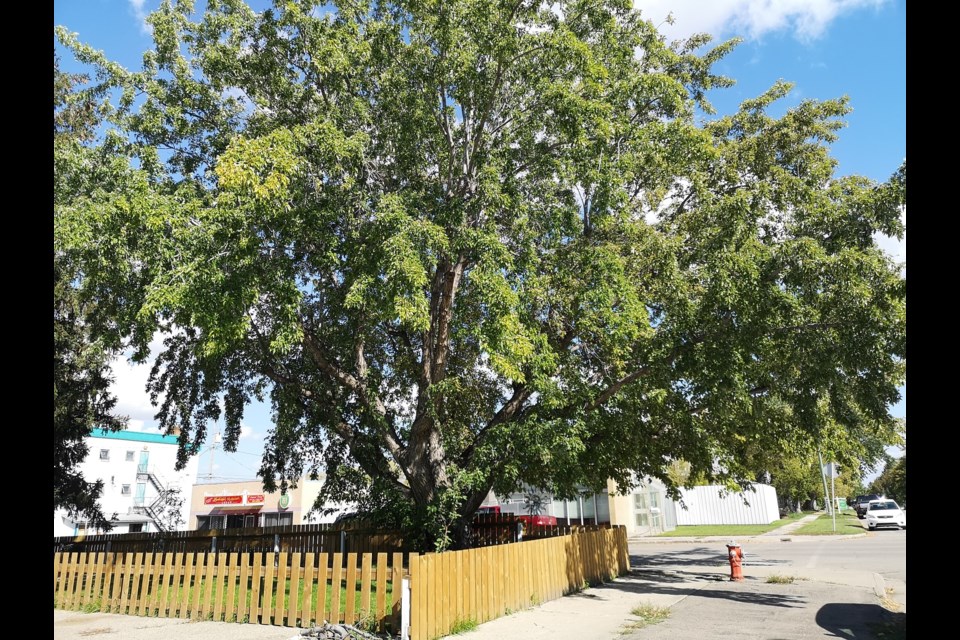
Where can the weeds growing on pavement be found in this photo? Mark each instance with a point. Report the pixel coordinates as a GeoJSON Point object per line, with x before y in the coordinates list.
{"type": "Point", "coordinates": [91, 607]}
{"type": "Point", "coordinates": [462, 626]}
{"type": "Point", "coordinates": [887, 601]}
{"type": "Point", "coordinates": [778, 579]}
{"type": "Point", "coordinates": [648, 614]}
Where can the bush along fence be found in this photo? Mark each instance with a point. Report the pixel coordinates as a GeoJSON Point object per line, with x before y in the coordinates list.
{"type": "Point", "coordinates": [299, 589]}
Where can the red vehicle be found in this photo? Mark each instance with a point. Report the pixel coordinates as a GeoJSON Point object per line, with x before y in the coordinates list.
{"type": "Point", "coordinates": [538, 520]}
{"type": "Point", "coordinates": [484, 511]}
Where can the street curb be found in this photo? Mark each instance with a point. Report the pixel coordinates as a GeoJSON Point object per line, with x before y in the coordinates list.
{"type": "Point", "coordinates": [762, 538]}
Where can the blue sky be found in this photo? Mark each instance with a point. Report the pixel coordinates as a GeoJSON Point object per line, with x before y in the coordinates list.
{"type": "Point", "coordinates": [828, 48]}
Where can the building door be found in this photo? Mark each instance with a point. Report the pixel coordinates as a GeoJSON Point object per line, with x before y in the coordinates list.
{"type": "Point", "coordinates": [144, 459]}
{"type": "Point", "coordinates": [648, 511]}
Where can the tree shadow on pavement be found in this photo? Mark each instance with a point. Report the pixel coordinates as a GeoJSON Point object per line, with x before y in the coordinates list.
{"type": "Point", "coordinates": [852, 621]}
{"type": "Point", "coordinates": [701, 556]}
{"type": "Point", "coordinates": [687, 557]}
{"type": "Point", "coordinates": [682, 584]}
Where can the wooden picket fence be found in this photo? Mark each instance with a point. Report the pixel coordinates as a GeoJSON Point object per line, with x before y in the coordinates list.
{"type": "Point", "coordinates": [305, 589]}
{"type": "Point", "coordinates": [478, 585]}
{"type": "Point", "coordinates": [284, 589]}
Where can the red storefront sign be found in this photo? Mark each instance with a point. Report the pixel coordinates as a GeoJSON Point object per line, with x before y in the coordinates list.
{"type": "Point", "coordinates": [255, 498]}
{"type": "Point", "coordinates": [223, 500]}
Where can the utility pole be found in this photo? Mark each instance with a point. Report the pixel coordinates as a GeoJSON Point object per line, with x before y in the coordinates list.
{"type": "Point", "coordinates": [213, 447]}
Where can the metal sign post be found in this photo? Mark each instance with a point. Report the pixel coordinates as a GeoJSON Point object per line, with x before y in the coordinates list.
{"type": "Point", "coordinates": [833, 486]}
{"type": "Point", "coordinates": [826, 492]}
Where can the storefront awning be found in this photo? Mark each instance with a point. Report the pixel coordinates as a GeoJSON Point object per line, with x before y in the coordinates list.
{"type": "Point", "coordinates": [237, 510]}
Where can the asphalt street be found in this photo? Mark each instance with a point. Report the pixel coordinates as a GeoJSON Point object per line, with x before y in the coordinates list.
{"type": "Point", "coordinates": [757, 610]}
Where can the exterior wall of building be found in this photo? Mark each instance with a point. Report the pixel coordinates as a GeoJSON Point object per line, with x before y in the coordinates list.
{"type": "Point", "coordinates": [245, 504]}
{"type": "Point", "coordinates": [707, 505]}
{"type": "Point", "coordinates": [124, 462]}
{"type": "Point", "coordinates": [588, 509]}
{"type": "Point", "coordinates": [646, 510]}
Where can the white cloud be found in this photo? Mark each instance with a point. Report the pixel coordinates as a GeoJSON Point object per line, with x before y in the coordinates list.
{"type": "Point", "coordinates": [806, 19]}
{"type": "Point", "coordinates": [140, 13]}
{"type": "Point", "coordinates": [130, 389]}
{"type": "Point", "coordinates": [246, 431]}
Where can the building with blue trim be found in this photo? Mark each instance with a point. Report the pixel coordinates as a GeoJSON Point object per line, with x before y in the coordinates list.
{"type": "Point", "coordinates": [138, 471]}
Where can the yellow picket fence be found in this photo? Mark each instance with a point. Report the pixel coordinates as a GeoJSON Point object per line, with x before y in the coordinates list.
{"type": "Point", "coordinates": [478, 585]}
{"type": "Point", "coordinates": [305, 589]}
{"type": "Point", "coordinates": [287, 589]}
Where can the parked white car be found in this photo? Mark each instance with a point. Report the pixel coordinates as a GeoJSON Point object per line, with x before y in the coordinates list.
{"type": "Point", "coordinates": [885, 513]}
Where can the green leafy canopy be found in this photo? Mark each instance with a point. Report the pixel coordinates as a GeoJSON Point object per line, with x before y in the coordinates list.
{"type": "Point", "coordinates": [469, 244]}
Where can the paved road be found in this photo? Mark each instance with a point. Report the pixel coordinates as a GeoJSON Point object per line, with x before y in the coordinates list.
{"type": "Point", "coordinates": [842, 559]}
{"type": "Point", "coordinates": [833, 595]}
{"type": "Point", "coordinates": [756, 610]}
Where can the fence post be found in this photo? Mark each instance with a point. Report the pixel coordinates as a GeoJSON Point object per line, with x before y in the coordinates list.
{"type": "Point", "coordinates": [405, 610]}
{"type": "Point", "coordinates": [343, 541]}
{"type": "Point", "coordinates": [213, 544]}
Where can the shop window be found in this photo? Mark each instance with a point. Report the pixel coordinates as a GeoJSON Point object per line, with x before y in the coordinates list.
{"type": "Point", "coordinates": [205, 523]}
{"type": "Point", "coordinates": [277, 519]}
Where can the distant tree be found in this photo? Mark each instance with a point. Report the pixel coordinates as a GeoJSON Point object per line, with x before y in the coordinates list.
{"type": "Point", "coordinates": [481, 244]}
{"type": "Point", "coordinates": [81, 363]}
{"type": "Point", "coordinates": [893, 481]}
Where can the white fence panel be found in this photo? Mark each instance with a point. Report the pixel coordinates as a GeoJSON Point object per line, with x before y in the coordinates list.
{"type": "Point", "coordinates": [706, 505]}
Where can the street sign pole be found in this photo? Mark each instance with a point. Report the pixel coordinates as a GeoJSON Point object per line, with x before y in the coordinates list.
{"type": "Point", "coordinates": [833, 486]}
{"type": "Point", "coordinates": [826, 492]}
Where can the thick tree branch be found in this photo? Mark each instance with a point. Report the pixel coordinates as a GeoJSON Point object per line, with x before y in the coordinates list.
{"type": "Point", "coordinates": [358, 386]}
{"type": "Point", "coordinates": [521, 393]}
{"type": "Point", "coordinates": [448, 293]}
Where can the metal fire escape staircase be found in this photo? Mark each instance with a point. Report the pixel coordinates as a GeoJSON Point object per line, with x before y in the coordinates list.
{"type": "Point", "coordinates": [152, 510]}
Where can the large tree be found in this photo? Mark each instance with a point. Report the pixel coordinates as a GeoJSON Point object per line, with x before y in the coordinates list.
{"type": "Point", "coordinates": [469, 244]}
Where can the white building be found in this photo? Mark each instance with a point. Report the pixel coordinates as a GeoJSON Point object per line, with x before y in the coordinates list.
{"type": "Point", "coordinates": [712, 505]}
{"type": "Point", "coordinates": [135, 468]}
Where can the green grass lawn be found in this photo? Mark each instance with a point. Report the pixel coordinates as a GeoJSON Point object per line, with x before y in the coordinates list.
{"type": "Point", "coordinates": [730, 529]}
{"type": "Point", "coordinates": [847, 523]}
{"type": "Point", "coordinates": [268, 603]}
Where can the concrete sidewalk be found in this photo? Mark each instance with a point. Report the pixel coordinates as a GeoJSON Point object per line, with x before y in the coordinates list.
{"type": "Point", "coordinates": [75, 625]}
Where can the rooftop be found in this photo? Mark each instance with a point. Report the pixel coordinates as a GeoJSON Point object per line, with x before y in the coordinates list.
{"type": "Point", "coordinates": [136, 436]}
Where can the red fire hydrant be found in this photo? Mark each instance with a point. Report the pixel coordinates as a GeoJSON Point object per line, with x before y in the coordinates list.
{"type": "Point", "coordinates": [736, 561]}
